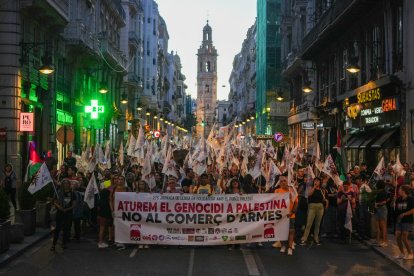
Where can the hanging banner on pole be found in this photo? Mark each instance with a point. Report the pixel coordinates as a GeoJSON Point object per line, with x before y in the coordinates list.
{"type": "Point", "coordinates": [188, 219]}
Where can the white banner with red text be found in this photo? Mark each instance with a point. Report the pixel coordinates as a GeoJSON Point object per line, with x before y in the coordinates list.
{"type": "Point", "coordinates": [187, 219]}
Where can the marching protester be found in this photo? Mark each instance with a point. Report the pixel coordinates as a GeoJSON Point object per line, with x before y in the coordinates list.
{"type": "Point", "coordinates": [317, 203]}
{"type": "Point", "coordinates": [9, 182]}
{"type": "Point", "coordinates": [404, 207]}
{"type": "Point", "coordinates": [293, 201]}
{"type": "Point", "coordinates": [65, 201]}
{"type": "Point", "coordinates": [345, 196]}
{"type": "Point", "coordinates": [320, 202]}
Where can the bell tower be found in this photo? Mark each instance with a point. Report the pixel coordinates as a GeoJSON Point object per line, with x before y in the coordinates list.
{"type": "Point", "coordinates": [206, 83]}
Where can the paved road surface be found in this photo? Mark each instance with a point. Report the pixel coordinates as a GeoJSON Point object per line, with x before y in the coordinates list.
{"type": "Point", "coordinates": [84, 258]}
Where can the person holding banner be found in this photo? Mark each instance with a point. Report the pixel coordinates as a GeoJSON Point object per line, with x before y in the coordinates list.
{"type": "Point", "coordinates": [64, 201]}
{"type": "Point", "coordinates": [234, 188]}
{"type": "Point", "coordinates": [119, 186]}
{"type": "Point", "coordinates": [104, 213]}
{"type": "Point", "coordinates": [293, 201]}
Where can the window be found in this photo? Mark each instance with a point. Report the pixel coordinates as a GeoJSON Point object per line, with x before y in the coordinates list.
{"type": "Point", "coordinates": [397, 45]}
{"type": "Point", "coordinates": [208, 66]}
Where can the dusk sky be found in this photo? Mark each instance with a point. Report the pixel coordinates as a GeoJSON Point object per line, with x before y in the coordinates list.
{"type": "Point", "coordinates": [230, 20]}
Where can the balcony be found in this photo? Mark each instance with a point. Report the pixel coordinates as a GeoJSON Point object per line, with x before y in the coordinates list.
{"type": "Point", "coordinates": [167, 107]}
{"type": "Point", "coordinates": [76, 33]}
{"type": "Point", "coordinates": [134, 79]}
{"type": "Point", "coordinates": [134, 40]}
{"type": "Point", "coordinates": [332, 22]}
{"type": "Point", "coordinates": [61, 7]}
{"type": "Point", "coordinates": [113, 55]}
{"type": "Point", "coordinates": [117, 10]}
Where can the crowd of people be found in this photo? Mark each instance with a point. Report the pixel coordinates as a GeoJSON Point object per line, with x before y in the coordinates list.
{"type": "Point", "coordinates": [318, 202]}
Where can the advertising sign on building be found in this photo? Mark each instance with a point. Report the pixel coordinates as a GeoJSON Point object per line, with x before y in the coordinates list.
{"type": "Point", "coordinates": [26, 121]}
{"type": "Point", "coordinates": [308, 125]}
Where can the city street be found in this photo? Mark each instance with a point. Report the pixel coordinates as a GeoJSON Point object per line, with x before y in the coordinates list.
{"type": "Point", "coordinates": [84, 258]}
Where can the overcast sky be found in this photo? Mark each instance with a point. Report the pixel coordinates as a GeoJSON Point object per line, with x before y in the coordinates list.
{"type": "Point", "coordinates": [230, 20]}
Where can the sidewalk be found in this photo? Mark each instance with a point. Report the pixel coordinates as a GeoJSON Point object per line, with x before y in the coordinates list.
{"type": "Point", "coordinates": [17, 249]}
{"type": "Point", "coordinates": [390, 251]}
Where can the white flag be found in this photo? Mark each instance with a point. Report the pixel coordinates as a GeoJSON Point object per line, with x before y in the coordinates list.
{"type": "Point", "coordinates": [310, 172]}
{"type": "Point", "coordinates": [91, 191]}
{"type": "Point", "coordinates": [380, 169]}
{"type": "Point", "coordinates": [41, 179]}
{"type": "Point", "coordinates": [121, 153]}
{"type": "Point", "coordinates": [348, 217]}
{"type": "Point", "coordinates": [398, 167]}
{"type": "Point", "coordinates": [329, 167]}
{"type": "Point", "coordinates": [131, 145]}
{"type": "Point", "coordinates": [108, 154]}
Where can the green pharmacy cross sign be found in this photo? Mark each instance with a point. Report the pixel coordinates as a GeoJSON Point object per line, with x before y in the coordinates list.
{"type": "Point", "coordinates": [94, 109]}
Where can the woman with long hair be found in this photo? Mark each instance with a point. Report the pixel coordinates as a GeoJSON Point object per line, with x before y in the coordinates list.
{"type": "Point", "coordinates": [316, 208]}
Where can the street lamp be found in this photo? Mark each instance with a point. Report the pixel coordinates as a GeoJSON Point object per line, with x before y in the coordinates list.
{"type": "Point", "coordinates": [279, 96]}
{"type": "Point", "coordinates": [139, 108]}
{"type": "Point", "coordinates": [124, 98]}
{"type": "Point", "coordinates": [252, 117]}
{"type": "Point", "coordinates": [47, 67]}
{"type": "Point", "coordinates": [307, 87]}
{"type": "Point", "coordinates": [103, 89]}
{"type": "Point", "coordinates": [148, 113]}
{"type": "Point", "coordinates": [353, 68]}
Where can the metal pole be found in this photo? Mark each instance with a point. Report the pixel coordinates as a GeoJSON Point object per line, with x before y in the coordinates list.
{"type": "Point", "coordinates": [5, 146]}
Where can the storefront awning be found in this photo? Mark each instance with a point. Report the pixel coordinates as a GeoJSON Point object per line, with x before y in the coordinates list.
{"type": "Point", "coordinates": [383, 139]}
{"type": "Point", "coordinates": [369, 140]}
{"type": "Point", "coordinates": [358, 141]}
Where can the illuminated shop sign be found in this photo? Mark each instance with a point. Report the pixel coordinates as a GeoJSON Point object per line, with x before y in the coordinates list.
{"type": "Point", "coordinates": [369, 96]}
{"type": "Point", "coordinates": [374, 113]}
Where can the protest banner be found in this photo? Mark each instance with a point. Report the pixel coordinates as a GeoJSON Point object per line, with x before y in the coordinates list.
{"type": "Point", "coordinates": [187, 219]}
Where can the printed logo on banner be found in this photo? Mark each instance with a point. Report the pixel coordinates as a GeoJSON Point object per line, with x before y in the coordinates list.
{"type": "Point", "coordinates": [161, 237]}
{"type": "Point", "coordinates": [210, 231]}
{"type": "Point", "coordinates": [168, 238]}
{"type": "Point", "coordinates": [241, 238]}
{"type": "Point", "coordinates": [154, 237]}
{"type": "Point", "coordinates": [146, 238]}
{"type": "Point", "coordinates": [257, 236]}
{"type": "Point", "coordinates": [218, 231]}
{"type": "Point", "coordinates": [190, 238]}
{"type": "Point", "coordinates": [189, 231]}
{"type": "Point", "coordinates": [199, 238]}
{"type": "Point", "coordinates": [225, 238]}
{"type": "Point", "coordinates": [269, 231]}
{"type": "Point", "coordinates": [135, 232]}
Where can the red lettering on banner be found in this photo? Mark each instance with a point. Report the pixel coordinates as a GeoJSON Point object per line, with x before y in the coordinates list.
{"type": "Point", "coordinates": [120, 206]}
{"type": "Point", "coordinates": [229, 209]}
{"type": "Point", "coordinates": [164, 207]}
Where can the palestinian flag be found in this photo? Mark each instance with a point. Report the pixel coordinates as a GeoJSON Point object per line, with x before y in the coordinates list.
{"type": "Point", "coordinates": [35, 162]}
{"type": "Point", "coordinates": [338, 160]}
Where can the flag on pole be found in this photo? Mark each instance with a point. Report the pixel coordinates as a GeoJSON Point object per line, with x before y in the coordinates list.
{"type": "Point", "coordinates": [41, 179]}
{"type": "Point", "coordinates": [329, 167]}
{"type": "Point", "coordinates": [121, 154]}
{"type": "Point", "coordinates": [91, 191]}
{"type": "Point", "coordinates": [131, 145]}
{"type": "Point", "coordinates": [35, 162]}
{"type": "Point", "coordinates": [398, 167]}
{"type": "Point", "coordinates": [380, 169]}
{"type": "Point", "coordinates": [348, 217]}
{"type": "Point", "coordinates": [310, 172]}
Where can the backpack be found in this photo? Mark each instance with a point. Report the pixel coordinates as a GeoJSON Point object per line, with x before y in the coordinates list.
{"type": "Point", "coordinates": [8, 182]}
